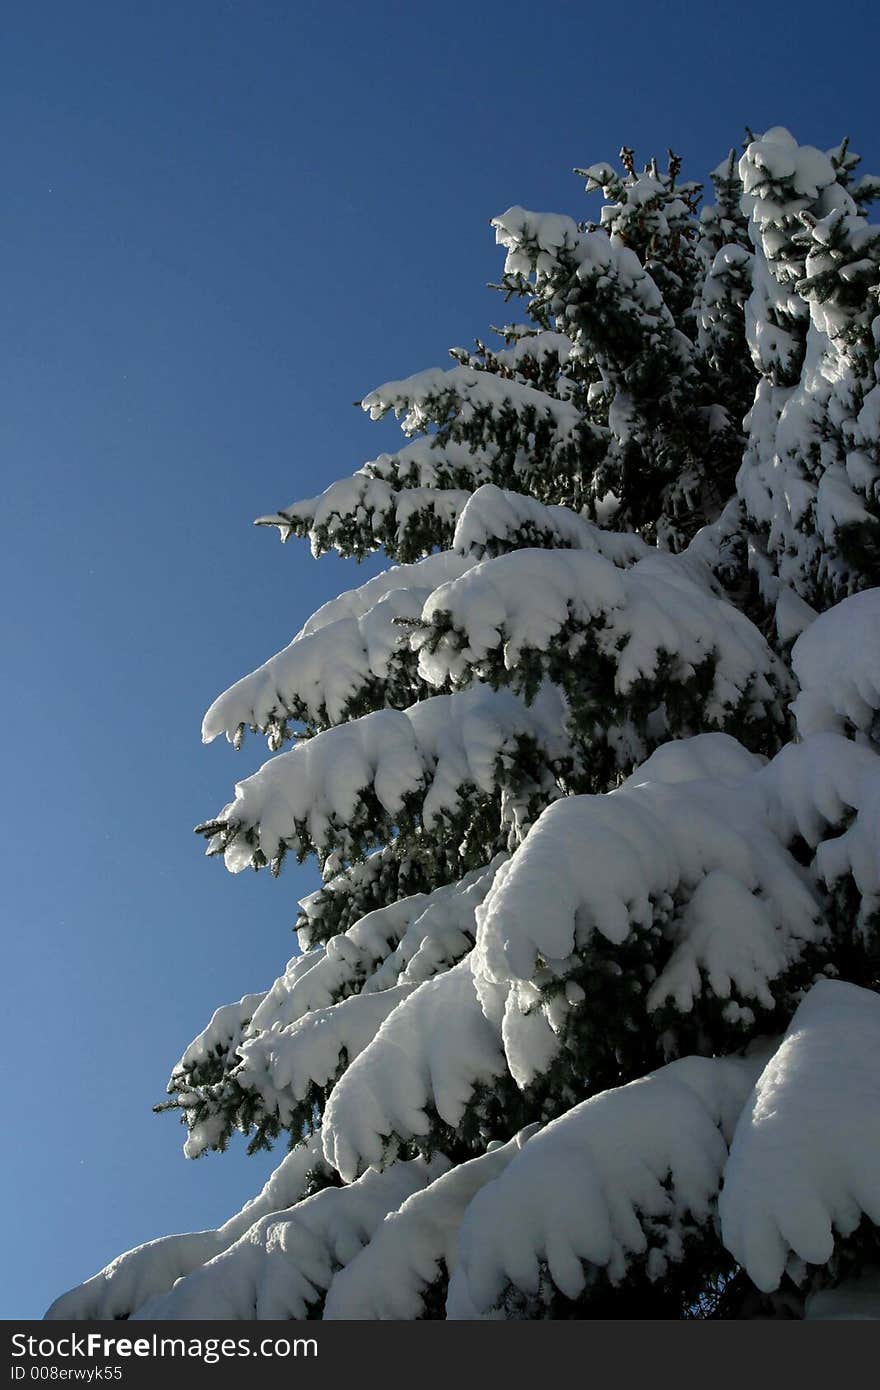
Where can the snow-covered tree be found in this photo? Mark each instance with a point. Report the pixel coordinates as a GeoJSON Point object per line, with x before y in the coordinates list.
{"type": "Point", "coordinates": [585, 1016]}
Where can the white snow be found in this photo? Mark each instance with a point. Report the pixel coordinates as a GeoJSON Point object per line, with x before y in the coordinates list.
{"type": "Point", "coordinates": [837, 663]}
{"type": "Point", "coordinates": [494, 516]}
{"type": "Point", "coordinates": [224, 1031]}
{"type": "Point", "coordinates": [705, 757]}
{"type": "Point", "coordinates": [285, 1262]}
{"type": "Point", "coordinates": [283, 1064]}
{"type": "Point", "coordinates": [357, 603]}
{"type": "Point", "coordinates": [415, 1244]}
{"type": "Point", "coordinates": [527, 600]}
{"type": "Point", "coordinates": [539, 347]}
{"type": "Point", "coordinates": [545, 232]}
{"type": "Point", "coordinates": [433, 750]}
{"type": "Point", "coordinates": [344, 649]}
{"type": "Point", "coordinates": [420, 397]}
{"type": "Point", "coordinates": [707, 857]}
{"type": "Point", "coordinates": [613, 1178]}
{"type": "Point", "coordinates": [803, 1163]}
{"type": "Point", "coordinates": [431, 1052]}
{"type": "Point", "coordinates": [404, 942]}
{"type": "Point", "coordinates": [387, 494]}
{"type": "Point", "coordinates": [150, 1270]}
{"type": "Point", "coordinates": [609, 863]}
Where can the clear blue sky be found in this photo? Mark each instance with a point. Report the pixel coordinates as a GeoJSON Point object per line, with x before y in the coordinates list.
{"type": "Point", "coordinates": [224, 221]}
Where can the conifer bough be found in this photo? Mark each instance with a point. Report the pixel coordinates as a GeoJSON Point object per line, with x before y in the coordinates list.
{"type": "Point", "coordinates": [585, 1018]}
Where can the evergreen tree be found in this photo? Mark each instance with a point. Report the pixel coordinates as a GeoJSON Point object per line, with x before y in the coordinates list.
{"type": "Point", "coordinates": [584, 1015]}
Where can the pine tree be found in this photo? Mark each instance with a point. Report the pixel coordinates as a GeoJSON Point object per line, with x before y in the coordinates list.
{"type": "Point", "coordinates": [584, 1015]}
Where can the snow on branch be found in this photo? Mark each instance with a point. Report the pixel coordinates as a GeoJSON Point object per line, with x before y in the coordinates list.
{"type": "Point", "coordinates": [608, 864]}
{"type": "Point", "coordinates": [694, 855]}
{"type": "Point", "coordinates": [435, 396]}
{"type": "Point", "coordinates": [782, 179]}
{"type": "Point", "coordinates": [417, 1245]}
{"type": "Point", "coordinates": [222, 1035]}
{"type": "Point", "coordinates": [611, 637]}
{"type": "Point", "coordinates": [352, 655]}
{"type": "Point", "coordinates": [303, 1038]}
{"type": "Point", "coordinates": [553, 250]}
{"type": "Point", "coordinates": [405, 941]}
{"type": "Point", "coordinates": [342, 662]}
{"type": "Point", "coordinates": [803, 1163]}
{"type": "Point", "coordinates": [288, 1066]}
{"type": "Point", "coordinates": [340, 790]}
{"type": "Point", "coordinates": [809, 476]}
{"type": "Point", "coordinates": [496, 520]}
{"type": "Point", "coordinates": [272, 1061]}
{"type": "Point", "coordinates": [624, 1177]}
{"type": "Point", "coordinates": [406, 502]}
{"type": "Point", "coordinates": [282, 1266]}
{"type": "Point", "coordinates": [150, 1270]}
{"type": "Point", "coordinates": [430, 1055]}
{"type": "Point", "coordinates": [531, 435]}
{"type": "Point", "coordinates": [837, 663]}
{"type": "Point", "coordinates": [529, 347]}
{"type": "Point", "coordinates": [533, 240]}
{"type": "Point", "coordinates": [384, 876]}
{"type": "Point", "coordinates": [440, 935]}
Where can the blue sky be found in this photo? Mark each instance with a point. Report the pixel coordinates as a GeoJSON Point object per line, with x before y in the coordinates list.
{"type": "Point", "coordinates": [224, 222]}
